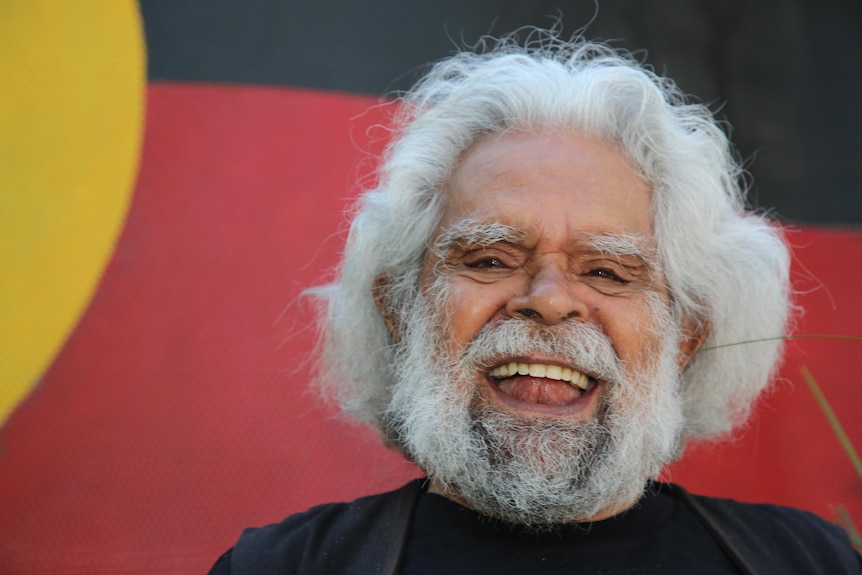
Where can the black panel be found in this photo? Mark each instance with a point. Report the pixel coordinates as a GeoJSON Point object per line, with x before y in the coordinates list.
{"type": "Point", "coordinates": [369, 47]}
{"type": "Point", "coordinates": [784, 73]}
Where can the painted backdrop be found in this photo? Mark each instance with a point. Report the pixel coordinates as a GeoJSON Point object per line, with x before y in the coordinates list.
{"type": "Point", "coordinates": [173, 173]}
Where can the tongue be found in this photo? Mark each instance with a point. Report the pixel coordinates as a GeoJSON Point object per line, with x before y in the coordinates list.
{"type": "Point", "coordinates": [540, 390]}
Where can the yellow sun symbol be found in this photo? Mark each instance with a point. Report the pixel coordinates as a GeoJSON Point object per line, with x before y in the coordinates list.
{"type": "Point", "coordinates": [71, 116]}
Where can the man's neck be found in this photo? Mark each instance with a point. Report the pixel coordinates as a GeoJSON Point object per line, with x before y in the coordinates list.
{"type": "Point", "coordinates": [436, 487]}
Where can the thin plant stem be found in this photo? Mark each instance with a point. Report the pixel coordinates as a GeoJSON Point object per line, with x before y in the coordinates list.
{"type": "Point", "coordinates": [798, 336]}
{"type": "Point", "coordinates": [842, 517]}
{"type": "Point", "coordinates": [833, 420]}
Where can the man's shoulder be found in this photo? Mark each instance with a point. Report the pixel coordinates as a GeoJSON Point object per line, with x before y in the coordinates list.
{"type": "Point", "coordinates": [768, 534]}
{"type": "Point", "coordinates": [782, 520]}
{"type": "Point", "coordinates": [321, 534]}
{"type": "Point", "coordinates": [368, 535]}
{"type": "Point", "coordinates": [321, 518]}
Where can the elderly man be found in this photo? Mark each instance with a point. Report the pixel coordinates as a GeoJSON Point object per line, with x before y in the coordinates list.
{"type": "Point", "coordinates": [555, 235]}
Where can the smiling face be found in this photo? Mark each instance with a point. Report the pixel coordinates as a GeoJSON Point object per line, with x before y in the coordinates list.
{"type": "Point", "coordinates": [554, 228]}
{"type": "Point", "coordinates": [537, 373]}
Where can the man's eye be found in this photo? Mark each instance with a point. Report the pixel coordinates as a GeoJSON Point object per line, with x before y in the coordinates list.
{"type": "Point", "coordinates": [486, 263]}
{"type": "Point", "coordinates": [605, 273]}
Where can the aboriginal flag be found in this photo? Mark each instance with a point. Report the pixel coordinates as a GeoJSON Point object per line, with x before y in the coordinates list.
{"type": "Point", "coordinates": [173, 174]}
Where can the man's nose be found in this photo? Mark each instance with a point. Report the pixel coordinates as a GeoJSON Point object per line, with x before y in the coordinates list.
{"type": "Point", "coordinates": [549, 297]}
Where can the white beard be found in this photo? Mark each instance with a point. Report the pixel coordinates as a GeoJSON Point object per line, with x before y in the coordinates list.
{"type": "Point", "coordinates": [535, 471]}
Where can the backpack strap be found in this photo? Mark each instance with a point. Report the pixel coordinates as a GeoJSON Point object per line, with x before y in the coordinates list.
{"type": "Point", "coordinates": [726, 528]}
{"type": "Point", "coordinates": [365, 537]}
{"type": "Point", "coordinates": [379, 540]}
{"type": "Point", "coordinates": [762, 538]}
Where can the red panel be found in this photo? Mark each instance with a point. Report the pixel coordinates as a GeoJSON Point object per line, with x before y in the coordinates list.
{"type": "Point", "coordinates": [789, 454]}
{"type": "Point", "coordinates": [178, 412]}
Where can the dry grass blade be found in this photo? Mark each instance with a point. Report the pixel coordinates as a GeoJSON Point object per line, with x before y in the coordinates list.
{"type": "Point", "coordinates": [833, 420]}
{"type": "Point", "coordinates": [841, 516]}
{"type": "Point", "coordinates": [844, 520]}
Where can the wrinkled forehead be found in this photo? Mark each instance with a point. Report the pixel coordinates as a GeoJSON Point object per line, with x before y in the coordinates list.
{"type": "Point", "coordinates": [547, 185]}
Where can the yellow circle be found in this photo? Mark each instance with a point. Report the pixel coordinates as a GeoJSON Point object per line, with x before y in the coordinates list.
{"type": "Point", "coordinates": [71, 116]}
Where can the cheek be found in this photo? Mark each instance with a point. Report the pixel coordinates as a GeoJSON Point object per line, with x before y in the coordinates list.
{"type": "Point", "coordinates": [632, 330]}
{"type": "Point", "coordinates": [469, 306]}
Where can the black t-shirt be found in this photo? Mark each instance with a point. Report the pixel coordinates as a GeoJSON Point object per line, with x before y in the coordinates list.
{"type": "Point", "coordinates": [659, 535]}
{"type": "Point", "coordinates": [669, 531]}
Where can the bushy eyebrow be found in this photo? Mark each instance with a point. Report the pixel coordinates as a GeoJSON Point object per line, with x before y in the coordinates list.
{"type": "Point", "coordinates": [469, 233]}
{"type": "Point", "coordinates": [616, 245]}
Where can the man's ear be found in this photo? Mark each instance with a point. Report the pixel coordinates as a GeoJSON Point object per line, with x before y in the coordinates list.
{"type": "Point", "coordinates": [380, 291]}
{"type": "Point", "coordinates": [694, 335]}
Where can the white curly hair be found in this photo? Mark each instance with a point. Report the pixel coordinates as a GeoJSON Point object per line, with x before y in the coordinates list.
{"type": "Point", "coordinates": [726, 267]}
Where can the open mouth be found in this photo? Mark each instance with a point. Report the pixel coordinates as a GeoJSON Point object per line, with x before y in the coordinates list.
{"type": "Point", "coordinates": [541, 383]}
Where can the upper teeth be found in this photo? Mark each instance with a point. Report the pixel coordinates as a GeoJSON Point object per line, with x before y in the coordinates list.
{"type": "Point", "coordinates": [574, 377]}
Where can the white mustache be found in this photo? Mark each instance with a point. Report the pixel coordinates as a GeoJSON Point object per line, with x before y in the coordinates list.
{"type": "Point", "coordinates": [581, 346]}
